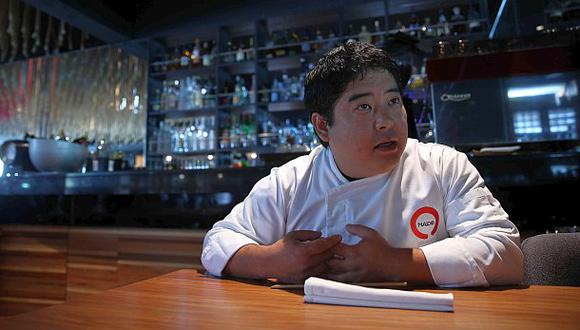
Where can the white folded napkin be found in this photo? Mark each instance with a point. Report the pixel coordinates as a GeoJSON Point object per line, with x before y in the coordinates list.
{"type": "Point", "coordinates": [321, 291]}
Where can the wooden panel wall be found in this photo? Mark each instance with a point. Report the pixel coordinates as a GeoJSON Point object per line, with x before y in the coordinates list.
{"type": "Point", "coordinates": [32, 267]}
{"type": "Point", "coordinates": [41, 266]}
{"type": "Point", "coordinates": [145, 254]}
{"type": "Point", "coordinates": [92, 261]}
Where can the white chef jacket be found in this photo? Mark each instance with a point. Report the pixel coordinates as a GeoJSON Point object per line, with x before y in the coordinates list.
{"type": "Point", "coordinates": [434, 199]}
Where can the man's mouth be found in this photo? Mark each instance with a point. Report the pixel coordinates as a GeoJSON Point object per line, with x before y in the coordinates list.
{"type": "Point", "coordinates": [386, 146]}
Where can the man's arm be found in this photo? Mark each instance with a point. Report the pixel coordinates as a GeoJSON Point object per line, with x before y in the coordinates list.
{"type": "Point", "coordinates": [483, 245]}
{"type": "Point", "coordinates": [297, 256]}
{"type": "Point", "coordinates": [257, 220]}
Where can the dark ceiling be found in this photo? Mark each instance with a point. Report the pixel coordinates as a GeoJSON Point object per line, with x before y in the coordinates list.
{"type": "Point", "coordinates": [118, 21]}
{"type": "Point", "coordinates": [134, 17]}
{"type": "Point", "coordinates": [143, 12]}
{"type": "Point", "coordinates": [144, 18]}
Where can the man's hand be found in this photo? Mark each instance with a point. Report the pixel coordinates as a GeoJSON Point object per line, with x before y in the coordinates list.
{"type": "Point", "coordinates": [373, 259]}
{"type": "Point", "coordinates": [295, 257]}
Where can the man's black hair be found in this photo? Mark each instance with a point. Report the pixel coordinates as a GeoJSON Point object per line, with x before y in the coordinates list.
{"type": "Point", "coordinates": [343, 64]}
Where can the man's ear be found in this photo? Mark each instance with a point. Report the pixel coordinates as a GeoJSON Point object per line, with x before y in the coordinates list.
{"type": "Point", "coordinates": [320, 126]}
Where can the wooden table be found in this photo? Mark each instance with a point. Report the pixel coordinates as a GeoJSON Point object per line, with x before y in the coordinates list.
{"type": "Point", "coordinates": [186, 299]}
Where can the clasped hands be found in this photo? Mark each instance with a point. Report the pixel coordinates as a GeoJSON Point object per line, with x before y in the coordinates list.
{"type": "Point", "coordinates": [304, 253]}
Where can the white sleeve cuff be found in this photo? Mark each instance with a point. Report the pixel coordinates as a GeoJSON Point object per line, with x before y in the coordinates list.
{"type": "Point", "coordinates": [451, 265]}
{"type": "Point", "coordinates": [220, 247]}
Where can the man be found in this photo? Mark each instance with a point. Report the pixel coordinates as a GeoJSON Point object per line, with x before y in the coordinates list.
{"type": "Point", "coordinates": [370, 204]}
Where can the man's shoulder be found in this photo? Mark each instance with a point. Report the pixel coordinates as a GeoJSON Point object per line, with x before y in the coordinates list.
{"type": "Point", "coordinates": [431, 154]}
{"type": "Point", "coordinates": [422, 149]}
{"type": "Point", "coordinates": [299, 166]}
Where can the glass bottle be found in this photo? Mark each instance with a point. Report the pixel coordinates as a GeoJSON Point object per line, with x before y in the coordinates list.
{"type": "Point", "coordinates": [183, 96]}
{"type": "Point", "coordinates": [442, 24]}
{"type": "Point", "coordinates": [274, 95]}
{"type": "Point", "coordinates": [240, 56]}
{"type": "Point", "coordinates": [185, 61]}
{"type": "Point", "coordinates": [206, 57]}
{"type": "Point", "coordinates": [414, 25]}
{"type": "Point", "coordinates": [364, 34]}
{"type": "Point", "coordinates": [318, 45]}
{"type": "Point", "coordinates": [229, 57]}
{"type": "Point", "coordinates": [250, 54]}
{"type": "Point", "coordinates": [285, 86]}
{"type": "Point", "coordinates": [198, 100]}
{"type": "Point", "coordinates": [379, 40]}
{"type": "Point", "coordinates": [237, 97]}
{"type": "Point", "coordinates": [252, 98]}
{"type": "Point", "coordinates": [245, 95]}
{"type": "Point", "coordinates": [195, 54]}
{"type": "Point", "coordinates": [175, 59]}
{"type": "Point", "coordinates": [305, 46]}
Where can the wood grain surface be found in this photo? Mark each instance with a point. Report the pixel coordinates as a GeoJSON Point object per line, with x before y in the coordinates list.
{"type": "Point", "coordinates": [33, 264]}
{"type": "Point", "coordinates": [187, 299]}
{"type": "Point", "coordinates": [46, 265]}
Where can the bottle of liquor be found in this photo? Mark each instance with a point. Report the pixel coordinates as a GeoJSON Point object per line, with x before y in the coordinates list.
{"type": "Point", "coordinates": [240, 56]}
{"type": "Point", "coordinates": [156, 100]}
{"type": "Point", "coordinates": [185, 60]}
{"type": "Point", "coordinates": [264, 98]}
{"type": "Point", "coordinates": [457, 19]}
{"type": "Point", "coordinates": [429, 32]}
{"type": "Point", "coordinates": [274, 93]}
{"type": "Point", "coordinates": [250, 53]}
{"type": "Point", "coordinates": [474, 23]}
{"type": "Point", "coordinates": [443, 24]}
{"type": "Point", "coordinates": [245, 95]}
{"type": "Point", "coordinates": [253, 90]}
{"type": "Point", "coordinates": [163, 98]}
{"type": "Point", "coordinates": [156, 64]}
{"type": "Point", "coordinates": [165, 62]}
{"type": "Point", "coordinates": [364, 34]}
{"type": "Point", "coordinates": [224, 142]}
{"type": "Point", "coordinates": [211, 134]}
{"type": "Point", "coordinates": [211, 97]}
{"type": "Point", "coordinates": [414, 30]}
{"type": "Point", "coordinates": [229, 57]}
{"type": "Point", "coordinates": [285, 87]}
{"type": "Point", "coordinates": [294, 39]}
{"type": "Point", "coordinates": [318, 37]}
{"type": "Point", "coordinates": [305, 46]}
{"type": "Point", "coordinates": [237, 98]}
{"type": "Point", "coordinates": [350, 31]}
{"type": "Point", "coordinates": [195, 54]}
{"type": "Point", "coordinates": [235, 131]}
{"type": "Point", "coordinates": [281, 39]}
{"type": "Point", "coordinates": [294, 88]}
{"type": "Point", "coordinates": [183, 96]}
{"type": "Point", "coordinates": [175, 59]}
{"type": "Point", "coordinates": [176, 88]}
{"type": "Point", "coordinates": [379, 39]}
{"type": "Point", "coordinates": [198, 96]}
{"type": "Point", "coordinates": [331, 41]}
{"type": "Point", "coordinates": [206, 57]}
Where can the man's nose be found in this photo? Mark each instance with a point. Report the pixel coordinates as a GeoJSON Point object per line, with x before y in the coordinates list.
{"type": "Point", "coordinates": [383, 120]}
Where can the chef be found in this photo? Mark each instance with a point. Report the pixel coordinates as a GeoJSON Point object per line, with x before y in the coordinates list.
{"type": "Point", "coordinates": [369, 204]}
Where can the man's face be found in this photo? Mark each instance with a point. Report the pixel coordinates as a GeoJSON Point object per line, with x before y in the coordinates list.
{"type": "Point", "coordinates": [369, 132]}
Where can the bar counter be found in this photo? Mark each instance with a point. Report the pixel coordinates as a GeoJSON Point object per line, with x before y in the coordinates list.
{"type": "Point", "coordinates": [498, 170]}
{"type": "Point", "coordinates": [522, 182]}
{"type": "Point", "coordinates": [133, 182]}
{"type": "Point", "coordinates": [187, 299]}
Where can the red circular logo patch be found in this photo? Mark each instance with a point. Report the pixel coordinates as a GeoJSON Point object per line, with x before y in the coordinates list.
{"type": "Point", "coordinates": [424, 223]}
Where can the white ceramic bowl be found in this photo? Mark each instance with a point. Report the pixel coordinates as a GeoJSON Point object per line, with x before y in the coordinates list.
{"type": "Point", "coordinates": [57, 156]}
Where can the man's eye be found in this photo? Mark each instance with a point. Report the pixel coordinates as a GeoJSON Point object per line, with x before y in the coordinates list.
{"type": "Point", "coordinates": [395, 100]}
{"type": "Point", "coordinates": [364, 107]}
